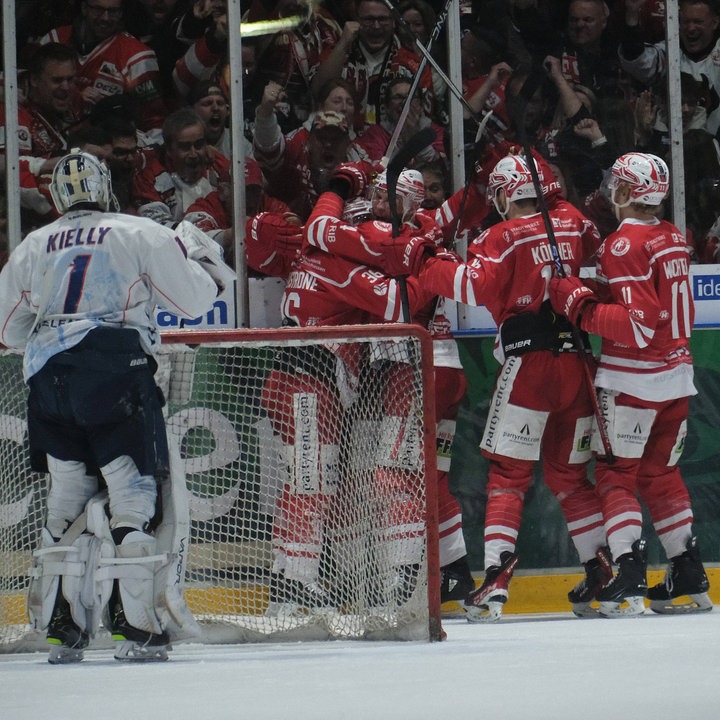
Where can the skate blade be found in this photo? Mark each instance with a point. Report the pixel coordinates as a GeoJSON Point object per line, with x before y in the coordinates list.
{"type": "Point", "coordinates": [698, 603]}
{"type": "Point", "coordinates": [129, 651]}
{"type": "Point", "coordinates": [489, 612]}
{"type": "Point", "coordinates": [630, 607]}
{"type": "Point", "coordinates": [585, 610]}
{"type": "Point", "coordinates": [61, 655]}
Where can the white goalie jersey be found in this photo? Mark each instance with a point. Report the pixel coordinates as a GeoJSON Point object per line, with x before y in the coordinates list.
{"type": "Point", "coordinates": [90, 269]}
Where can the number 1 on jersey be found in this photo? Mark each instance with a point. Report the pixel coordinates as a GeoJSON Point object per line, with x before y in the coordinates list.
{"type": "Point", "coordinates": [76, 283]}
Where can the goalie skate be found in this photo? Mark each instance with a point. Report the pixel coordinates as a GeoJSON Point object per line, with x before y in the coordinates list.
{"type": "Point", "coordinates": [486, 603]}
{"type": "Point", "coordinates": [624, 595]}
{"type": "Point", "coordinates": [65, 637]}
{"type": "Point", "coordinates": [685, 578]}
{"type": "Point", "coordinates": [131, 643]}
{"type": "Point", "coordinates": [132, 651]}
{"type": "Point", "coordinates": [598, 572]}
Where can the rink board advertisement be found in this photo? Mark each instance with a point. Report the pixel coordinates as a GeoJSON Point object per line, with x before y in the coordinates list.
{"type": "Point", "coordinates": [543, 541]}
{"type": "Point", "coordinates": [705, 281]}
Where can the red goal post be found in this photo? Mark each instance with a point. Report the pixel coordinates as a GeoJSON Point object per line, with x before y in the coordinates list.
{"type": "Point", "coordinates": [373, 504]}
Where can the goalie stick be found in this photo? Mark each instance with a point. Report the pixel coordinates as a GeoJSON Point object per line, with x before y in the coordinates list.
{"type": "Point", "coordinates": [531, 84]}
{"type": "Point", "coordinates": [412, 147]}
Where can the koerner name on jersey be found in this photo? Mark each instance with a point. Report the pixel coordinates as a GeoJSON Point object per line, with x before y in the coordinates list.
{"type": "Point", "coordinates": [543, 254]}
{"type": "Point", "coordinates": [76, 236]}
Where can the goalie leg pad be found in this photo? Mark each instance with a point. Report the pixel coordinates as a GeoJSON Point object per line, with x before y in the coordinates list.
{"type": "Point", "coordinates": [172, 538]}
{"type": "Point", "coordinates": [70, 489]}
{"type": "Point", "coordinates": [52, 561]}
{"type": "Point", "coordinates": [75, 558]}
{"type": "Point", "coordinates": [133, 568]}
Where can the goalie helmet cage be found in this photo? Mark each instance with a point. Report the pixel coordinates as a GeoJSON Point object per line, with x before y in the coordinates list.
{"type": "Point", "coordinates": [359, 477]}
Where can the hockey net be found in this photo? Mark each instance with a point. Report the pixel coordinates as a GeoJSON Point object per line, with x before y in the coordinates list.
{"type": "Point", "coordinates": [335, 424]}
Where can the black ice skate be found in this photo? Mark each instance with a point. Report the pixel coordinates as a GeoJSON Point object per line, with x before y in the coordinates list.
{"type": "Point", "coordinates": [131, 643]}
{"type": "Point", "coordinates": [598, 572]}
{"type": "Point", "coordinates": [456, 580]}
{"type": "Point", "coordinates": [67, 640]}
{"type": "Point", "coordinates": [624, 595]}
{"type": "Point", "coordinates": [486, 603]}
{"type": "Point", "coordinates": [295, 598]}
{"type": "Point", "coordinates": [685, 576]}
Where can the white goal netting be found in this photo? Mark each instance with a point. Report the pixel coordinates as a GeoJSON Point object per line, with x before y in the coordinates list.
{"type": "Point", "coordinates": [309, 458]}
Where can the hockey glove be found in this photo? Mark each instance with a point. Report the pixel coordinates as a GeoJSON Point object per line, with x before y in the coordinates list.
{"type": "Point", "coordinates": [349, 180]}
{"type": "Point", "coordinates": [280, 231]}
{"type": "Point", "coordinates": [205, 251]}
{"type": "Point", "coordinates": [405, 258]}
{"type": "Point", "coordinates": [569, 296]}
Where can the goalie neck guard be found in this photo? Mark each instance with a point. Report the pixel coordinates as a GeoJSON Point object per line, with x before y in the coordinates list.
{"type": "Point", "coordinates": [81, 180]}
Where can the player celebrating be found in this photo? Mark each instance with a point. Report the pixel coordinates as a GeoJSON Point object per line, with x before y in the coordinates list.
{"type": "Point", "coordinates": [79, 295]}
{"type": "Point", "coordinates": [508, 269]}
{"type": "Point", "coordinates": [643, 310]}
{"type": "Point", "coordinates": [348, 285]}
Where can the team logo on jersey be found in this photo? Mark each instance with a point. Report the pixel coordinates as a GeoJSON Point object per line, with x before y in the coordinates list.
{"type": "Point", "coordinates": [620, 247]}
{"type": "Point", "coordinates": [664, 314]}
{"type": "Point", "coordinates": [107, 68]}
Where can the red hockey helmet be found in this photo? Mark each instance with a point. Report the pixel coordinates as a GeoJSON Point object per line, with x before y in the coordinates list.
{"type": "Point", "coordinates": [647, 176]}
{"type": "Point", "coordinates": [410, 190]}
{"type": "Point", "coordinates": [357, 211]}
{"type": "Point", "coordinates": [513, 175]}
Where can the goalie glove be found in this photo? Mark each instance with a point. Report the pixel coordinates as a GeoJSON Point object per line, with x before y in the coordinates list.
{"type": "Point", "coordinates": [206, 252]}
{"type": "Point", "coordinates": [349, 180]}
{"type": "Point", "coordinates": [570, 297]}
{"type": "Point", "coordinates": [400, 258]}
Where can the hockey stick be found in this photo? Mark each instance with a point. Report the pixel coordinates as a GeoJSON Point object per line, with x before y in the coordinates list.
{"type": "Point", "coordinates": [531, 84]}
{"type": "Point", "coordinates": [394, 138]}
{"type": "Point", "coordinates": [412, 147]}
{"type": "Point", "coordinates": [455, 90]}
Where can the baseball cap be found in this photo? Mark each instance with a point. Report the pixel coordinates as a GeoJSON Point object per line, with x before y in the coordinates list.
{"type": "Point", "coordinates": [202, 90]}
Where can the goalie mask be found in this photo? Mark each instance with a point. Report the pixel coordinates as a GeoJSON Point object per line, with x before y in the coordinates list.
{"type": "Point", "coordinates": [647, 176]}
{"type": "Point", "coordinates": [513, 175]}
{"type": "Point", "coordinates": [410, 190]}
{"type": "Point", "coordinates": [80, 179]}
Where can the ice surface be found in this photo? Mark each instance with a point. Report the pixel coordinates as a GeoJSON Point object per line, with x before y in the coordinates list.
{"type": "Point", "coordinates": [549, 667]}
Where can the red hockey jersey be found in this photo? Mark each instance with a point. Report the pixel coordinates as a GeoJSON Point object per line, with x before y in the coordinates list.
{"type": "Point", "coordinates": [645, 324]}
{"type": "Point", "coordinates": [119, 65]}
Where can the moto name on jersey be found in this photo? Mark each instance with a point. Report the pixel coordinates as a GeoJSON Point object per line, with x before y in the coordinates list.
{"type": "Point", "coordinates": [75, 237]}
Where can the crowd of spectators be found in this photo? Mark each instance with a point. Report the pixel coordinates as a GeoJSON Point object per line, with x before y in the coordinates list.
{"type": "Point", "coordinates": [145, 84]}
